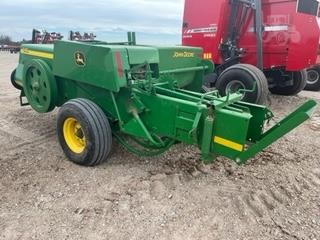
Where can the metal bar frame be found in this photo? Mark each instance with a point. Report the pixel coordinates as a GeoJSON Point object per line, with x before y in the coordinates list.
{"type": "Point", "coordinates": [229, 48]}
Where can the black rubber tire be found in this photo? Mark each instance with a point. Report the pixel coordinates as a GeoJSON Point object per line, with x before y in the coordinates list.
{"type": "Point", "coordinates": [313, 85]}
{"type": "Point", "coordinates": [247, 75]}
{"type": "Point", "coordinates": [13, 82]}
{"type": "Point", "coordinates": [263, 81]}
{"type": "Point", "coordinates": [299, 83]}
{"type": "Point", "coordinates": [209, 80]}
{"type": "Point", "coordinates": [95, 127]}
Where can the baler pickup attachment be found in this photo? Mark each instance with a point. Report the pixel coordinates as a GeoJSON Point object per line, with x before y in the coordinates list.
{"type": "Point", "coordinates": [281, 128]}
{"type": "Point", "coordinates": [239, 135]}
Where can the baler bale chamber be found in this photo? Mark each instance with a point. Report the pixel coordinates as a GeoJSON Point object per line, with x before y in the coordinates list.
{"type": "Point", "coordinates": [146, 97]}
{"type": "Point", "coordinates": [279, 39]}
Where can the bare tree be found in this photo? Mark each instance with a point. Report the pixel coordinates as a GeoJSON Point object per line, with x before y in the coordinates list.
{"type": "Point", "coordinates": [5, 40]}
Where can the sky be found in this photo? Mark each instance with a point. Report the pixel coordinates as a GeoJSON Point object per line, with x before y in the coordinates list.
{"type": "Point", "coordinates": [154, 21]}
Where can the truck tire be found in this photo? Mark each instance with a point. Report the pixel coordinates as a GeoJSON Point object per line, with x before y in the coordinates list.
{"type": "Point", "coordinates": [84, 132]}
{"type": "Point", "coordinates": [299, 79]}
{"type": "Point", "coordinates": [244, 76]}
{"type": "Point", "coordinates": [313, 81]}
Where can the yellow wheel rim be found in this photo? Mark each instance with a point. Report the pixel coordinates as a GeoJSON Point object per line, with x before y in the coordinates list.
{"type": "Point", "coordinates": [73, 135]}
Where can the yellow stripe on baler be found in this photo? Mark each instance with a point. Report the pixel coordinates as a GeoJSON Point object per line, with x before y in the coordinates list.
{"type": "Point", "coordinates": [27, 51]}
{"type": "Point", "coordinates": [227, 143]}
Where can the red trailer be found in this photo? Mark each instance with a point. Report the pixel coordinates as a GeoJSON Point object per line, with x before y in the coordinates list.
{"type": "Point", "coordinates": [245, 37]}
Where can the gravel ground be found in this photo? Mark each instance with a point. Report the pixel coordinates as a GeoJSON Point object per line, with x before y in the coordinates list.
{"type": "Point", "coordinates": [276, 195]}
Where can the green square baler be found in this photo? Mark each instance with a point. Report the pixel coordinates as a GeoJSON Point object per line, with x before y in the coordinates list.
{"type": "Point", "coordinates": [146, 97]}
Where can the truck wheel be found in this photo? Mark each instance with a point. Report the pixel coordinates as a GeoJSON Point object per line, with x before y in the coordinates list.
{"type": "Point", "coordinates": [313, 81]}
{"type": "Point", "coordinates": [244, 76]}
{"type": "Point", "coordinates": [13, 81]}
{"type": "Point", "coordinates": [298, 79]}
{"type": "Point", "coordinates": [84, 132]}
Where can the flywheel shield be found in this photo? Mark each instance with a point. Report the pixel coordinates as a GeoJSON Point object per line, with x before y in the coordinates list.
{"type": "Point", "coordinates": [39, 85]}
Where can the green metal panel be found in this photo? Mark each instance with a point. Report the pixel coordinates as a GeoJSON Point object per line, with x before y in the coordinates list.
{"type": "Point", "coordinates": [169, 116]}
{"type": "Point", "coordinates": [178, 57]}
{"type": "Point", "coordinates": [47, 48]}
{"type": "Point", "coordinates": [141, 54]}
{"type": "Point", "coordinates": [19, 73]}
{"type": "Point", "coordinates": [230, 132]}
{"type": "Point", "coordinates": [173, 58]}
{"type": "Point", "coordinates": [31, 51]}
{"type": "Point", "coordinates": [100, 67]}
{"type": "Point", "coordinates": [259, 115]}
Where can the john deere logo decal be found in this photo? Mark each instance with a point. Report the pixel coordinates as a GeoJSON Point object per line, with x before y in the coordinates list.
{"type": "Point", "coordinates": [183, 54]}
{"type": "Point", "coordinates": [80, 59]}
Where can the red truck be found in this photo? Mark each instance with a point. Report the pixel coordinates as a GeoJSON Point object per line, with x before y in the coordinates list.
{"type": "Point", "coordinates": [260, 45]}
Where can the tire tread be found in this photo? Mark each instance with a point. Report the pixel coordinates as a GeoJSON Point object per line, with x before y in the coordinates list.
{"type": "Point", "coordinates": [99, 125]}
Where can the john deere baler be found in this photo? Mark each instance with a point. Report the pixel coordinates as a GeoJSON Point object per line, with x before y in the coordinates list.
{"type": "Point", "coordinates": [146, 97]}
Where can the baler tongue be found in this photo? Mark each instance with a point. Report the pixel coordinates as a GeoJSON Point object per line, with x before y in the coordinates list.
{"type": "Point", "coordinates": [263, 140]}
